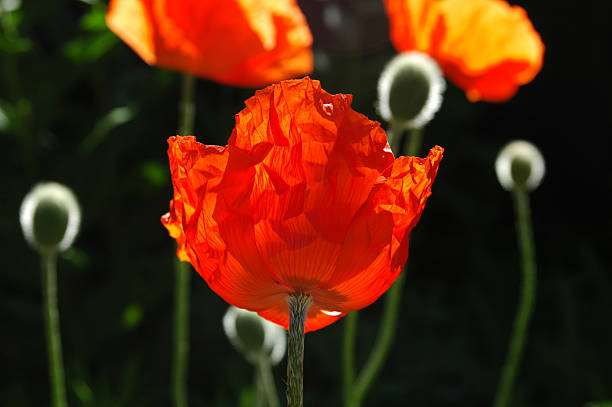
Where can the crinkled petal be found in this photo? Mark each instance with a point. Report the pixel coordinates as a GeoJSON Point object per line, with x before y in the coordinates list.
{"type": "Point", "coordinates": [376, 247]}
{"type": "Point", "coordinates": [306, 198]}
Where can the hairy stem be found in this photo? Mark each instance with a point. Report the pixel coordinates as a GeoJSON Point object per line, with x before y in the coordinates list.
{"type": "Point", "coordinates": [298, 308]}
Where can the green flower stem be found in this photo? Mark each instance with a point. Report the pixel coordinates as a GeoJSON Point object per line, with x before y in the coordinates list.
{"type": "Point", "coordinates": [348, 355]}
{"type": "Point", "coordinates": [354, 397]}
{"type": "Point", "coordinates": [54, 343]}
{"type": "Point", "coordinates": [187, 107]}
{"type": "Point", "coordinates": [260, 397]}
{"type": "Point", "coordinates": [526, 300]}
{"type": "Point", "coordinates": [415, 142]}
{"type": "Point", "coordinates": [182, 274]}
{"type": "Point", "coordinates": [298, 308]}
{"type": "Point", "coordinates": [384, 339]}
{"type": "Point", "coordinates": [394, 136]}
{"type": "Point", "coordinates": [266, 381]}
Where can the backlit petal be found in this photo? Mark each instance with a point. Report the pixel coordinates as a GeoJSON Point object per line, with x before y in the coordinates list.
{"type": "Point", "coordinates": [238, 42]}
{"type": "Point", "coordinates": [305, 198]}
{"type": "Point", "coordinates": [486, 47]}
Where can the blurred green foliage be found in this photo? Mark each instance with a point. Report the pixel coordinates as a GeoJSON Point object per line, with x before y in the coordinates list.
{"type": "Point", "coordinates": [79, 107]}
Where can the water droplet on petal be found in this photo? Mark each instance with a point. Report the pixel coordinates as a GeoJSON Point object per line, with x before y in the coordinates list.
{"type": "Point", "coordinates": [328, 108]}
{"type": "Point", "coordinates": [331, 313]}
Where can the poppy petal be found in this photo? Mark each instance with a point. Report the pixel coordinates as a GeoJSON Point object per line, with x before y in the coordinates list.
{"type": "Point", "coordinates": [305, 198]}
{"type": "Point", "coordinates": [233, 41]}
{"type": "Point", "coordinates": [486, 47]}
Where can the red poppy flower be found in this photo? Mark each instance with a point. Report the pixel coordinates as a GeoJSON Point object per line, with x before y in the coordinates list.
{"type": "Point", "coordinates": [238, 42]}
{"type": "Point", "coordinates": [306, 197]}
{"type": "Point", "coordinates": [486, 47]}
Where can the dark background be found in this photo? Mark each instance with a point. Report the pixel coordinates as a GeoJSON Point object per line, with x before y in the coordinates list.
{"type": "Point", "coordinates": [79, 107]}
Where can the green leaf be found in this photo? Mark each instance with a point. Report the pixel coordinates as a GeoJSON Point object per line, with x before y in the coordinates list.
{"type": "Point", "coordinates": [104, 126]}
{"type": "Point", "coordinates": [90, 48]}
{"type": "Point", "coordinates": [155, 174]}
{"type": "Point", "coordinates": [95, 19]}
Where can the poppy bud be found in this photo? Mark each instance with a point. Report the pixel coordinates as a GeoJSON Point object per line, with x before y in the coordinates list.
{"type": "Point", "coordinates": [50, 217]}
{"type": "Point", "coordinates": [252, 335]}
{"type": "Point", "coordinates": [410, 89]}
{"type": "Point", "coordinates": [520, 164]}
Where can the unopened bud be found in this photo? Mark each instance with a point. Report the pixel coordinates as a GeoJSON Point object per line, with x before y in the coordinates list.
{"type": "Point", "coordinates": [520, 164]}
{"type": "Point", "coordinates": [252, 335]}
{"type": "Point", "coordinates": [50, 217]}
{"type": "Point", "coordinates": [410, 89]}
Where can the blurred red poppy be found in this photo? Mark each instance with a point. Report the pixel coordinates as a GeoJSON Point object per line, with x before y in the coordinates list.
{"type": "Point", "coordinates": [486, 47]}
{"type": "Point", "coordinates": [237, 42]}
{"type": "Point", "coordinates": [306, 197]}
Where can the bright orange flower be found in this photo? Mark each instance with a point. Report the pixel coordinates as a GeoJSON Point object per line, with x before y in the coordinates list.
{"type": "Point", "coordinates": [306, 197]}
{"type": "Point", "coordinates": [486, 47]}
{"type": "Point", "coordinates": [238, 42]}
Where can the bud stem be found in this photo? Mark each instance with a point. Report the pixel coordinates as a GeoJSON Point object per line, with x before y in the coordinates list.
{"type": "Point", "coordinates": [266, 381]}
{"type": "Point", "coordinates": [299, 304]}
{"type": "Point", "coordinates": [51, 316]}
{"type": "Point", "coordinates": [415, 141]}
{"type": "Point", "coordinates": [526, 300]}
{"type": "Point", "coordinates": [395, 134]}
{"type": "Point", "coordinates": [348, 355]}
{"type": "Point", "coordinates": [182, 274]}
{"type": "Point", "coordinates": [356, 390]}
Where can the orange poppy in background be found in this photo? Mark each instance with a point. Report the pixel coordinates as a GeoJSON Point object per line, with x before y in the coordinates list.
{"type": "Point", "coordinates": [306, 197]}
{"type": "Point", "coordinates": [237, 42]}
{"type": "Point", "coordinates": [486, 47]}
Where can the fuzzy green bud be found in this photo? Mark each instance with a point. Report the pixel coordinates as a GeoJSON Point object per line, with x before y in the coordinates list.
{"type": "Point", "coordinates": [520, 165]}
{"type": "Point", "coordinates": [253, 336]}
{"type": "Point", "coordinates": [50, 217]}
{"type": "Point", "coordinates": [410, 90]}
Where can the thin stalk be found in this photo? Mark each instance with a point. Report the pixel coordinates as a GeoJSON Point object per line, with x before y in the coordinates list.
{"type": "Point", "coordinates": [260, 397]}
{"type": "Point", "coordinates": [348, 355]}
{"type": "Point", "coordinates": [298, 308]}
{"type": "Point", "coordinates": [180, 355]}
{"type": "Point", "coordinates": [526, 300]}
{"type": "Point", "coordinates": [187, 107]}
{"type": "Point", "coordinates": [395, 134]}
{"type": "Point", "coordinates": [414, 142]}
{"type": "Point", "coordinates": [266, 381]}
{"type": "Point", "coordinates": [387, 329]}
{"type": "Point", "coordinates": [54, 342]}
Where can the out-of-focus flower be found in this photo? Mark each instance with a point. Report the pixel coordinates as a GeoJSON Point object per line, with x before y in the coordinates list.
{"type": "Point", "coordinates": [253, 335]}
{"type": "Point", "coordinates": [520, 164]}
{"type": "Point", "coordinates": [486, 47]}
{"type": "Point", "coordinates": [50, 217]}
{"type": "Point", "coordinates": [305, 198]}
{"type": "Point", "coordinates": [410, 90]}
{"type": "Point", "coordinates": [237, 42]}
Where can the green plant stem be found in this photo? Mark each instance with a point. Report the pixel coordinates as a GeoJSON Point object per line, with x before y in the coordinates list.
{"type": "Point", "coordinates": [414, 142]}
{"type": "Point", "coordinates": [348, 355]}
{"type": "Point", "coordinates": [54, 342]}
{"type": "Point", "coordinates": [182, 275]}
{"type": "Point", "coordinates": [526, 299]}
{"type": "Point", "coordinates": [260, 396]}
{"type": "Point", "coordinates": [266, 381]}
{"type": "Point", "coordinates": [395, 134]}
{"type": "Point", "coordinates": [187, 107]}
{"type": "Point", "coordinates": [298, 308]}
{"type": "Point", "coordinates": [387, 329]}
